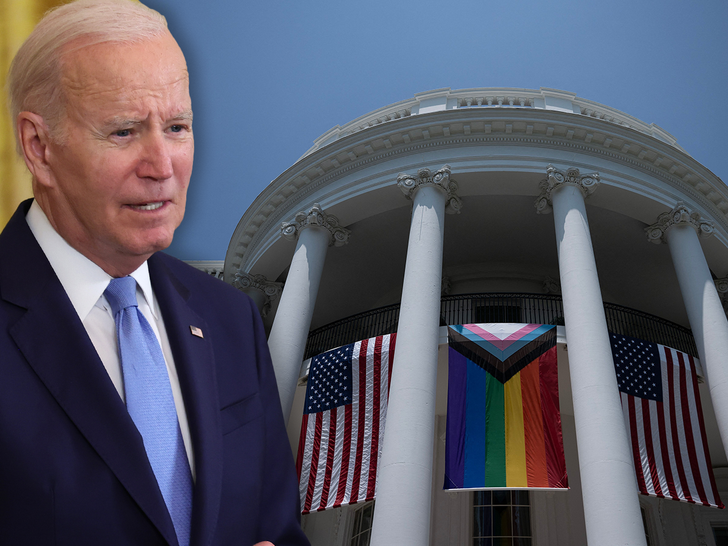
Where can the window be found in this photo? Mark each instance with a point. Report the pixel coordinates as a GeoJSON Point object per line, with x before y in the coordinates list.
{"type": "Point", "coordinates": [720, 534]}
{"type": "Point", "coordinates": [492, 312]}
{"type": "Point", "coordinates": [362, 531]}
{"type": "Point", "coordinates": [501, 518]}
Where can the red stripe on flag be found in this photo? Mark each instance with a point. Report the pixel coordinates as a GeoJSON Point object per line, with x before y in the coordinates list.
{"type": "Point", "coordinates": [376, 384]}
{"type": "Point", "coordinates": [536, 468]}
{"type": "Point", "coordinates": [674, 426]}
{"type": "Point", "coordinates": [549, 386]}
{"type": "Point", "coordinates": [301, 444]}
{"type": "Point", "coordinates": [665, 451]}
{"type": "Point", "coordinates": [329, 459]}
{"type": "Point", "coordinates": [697, 478]}
{"type": "Point", "coordinates": [362, 420]}
{"type": "Point", "coordinates": [647, 425]}
{"type": "Point", "coordinates": [635, 443]}
{"type": "Point", "coordinates": [314, 461]}
{"type": "Point", "coordinates": [345, 455]}
{"type": "Point", "coordinates": [392, 341]}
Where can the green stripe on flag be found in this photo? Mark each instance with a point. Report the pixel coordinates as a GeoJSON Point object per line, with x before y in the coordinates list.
{"type": "Point", "coordinates": [495, 438]}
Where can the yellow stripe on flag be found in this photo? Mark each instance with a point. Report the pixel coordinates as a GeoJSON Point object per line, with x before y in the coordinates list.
{"type": "Point", "coordinates": [516, 474]}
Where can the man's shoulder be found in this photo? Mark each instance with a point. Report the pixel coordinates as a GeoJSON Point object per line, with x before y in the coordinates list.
{"type": "Point", "coordinates": [197, 282]}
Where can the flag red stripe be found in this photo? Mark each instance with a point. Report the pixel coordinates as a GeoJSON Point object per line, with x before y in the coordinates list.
{"type": "Point", "coordinates": [703, 436]}
{"type": "Point", "coordinates": [549, 385]}
{"type": "Point", "coordinates": [314, 460]}
{"type": "Point", "coordinates": [647, 425]}
{"type": "Point", "coordinates": [362, 420]}
{"type": "Point", "coordinates": [346, 452]}
{"type": "Point", "coordinates": [392, 341]}
{"type": "Point", "coordinates": [329, 459]}
{"type": "Point", "coordinates": [533, 429]}
{"type": "Point", "coordinates": [692, 455]}
{"type": "Point", "coordinates": [665, 451]}
{"type": "Point", "coordinates": [674, 427]}
{"type": "Point", "coordinates": [635, 444]}
{"type": "Point", "coordinates": [301, 444]}
{"type": "Point", "coordinates": [376, 384]}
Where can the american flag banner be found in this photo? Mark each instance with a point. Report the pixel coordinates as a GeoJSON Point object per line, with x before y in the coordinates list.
{"type": "Point", "coordinates": [664, 417]}
{"type": "Point", "coordinates": [343, 423]}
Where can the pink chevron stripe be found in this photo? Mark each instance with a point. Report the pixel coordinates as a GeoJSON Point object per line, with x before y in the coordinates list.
{"type": "Point", "coordinates": [499, 343]}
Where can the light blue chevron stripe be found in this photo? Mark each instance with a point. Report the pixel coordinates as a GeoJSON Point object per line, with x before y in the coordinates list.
{"type": "Point", "coordinates": [500, 354]}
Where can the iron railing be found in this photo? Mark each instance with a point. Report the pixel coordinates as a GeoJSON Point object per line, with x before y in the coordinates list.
{"type": "Point", "coordinates": [501, 307]}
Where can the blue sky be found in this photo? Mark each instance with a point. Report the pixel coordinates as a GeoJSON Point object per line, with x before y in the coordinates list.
{"type": "Point", "coordinates": [269, 77]}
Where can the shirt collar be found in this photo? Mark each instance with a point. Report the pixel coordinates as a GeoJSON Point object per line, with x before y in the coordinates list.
{"type": "Point", "coordinates": [83, 280]}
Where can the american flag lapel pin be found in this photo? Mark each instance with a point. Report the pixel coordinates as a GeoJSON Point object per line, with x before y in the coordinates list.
{"type": "Point", "coordinates": [196, 331]}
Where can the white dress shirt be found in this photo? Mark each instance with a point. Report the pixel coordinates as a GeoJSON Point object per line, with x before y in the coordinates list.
{"type": "Point", "coordinates": [85, 283]}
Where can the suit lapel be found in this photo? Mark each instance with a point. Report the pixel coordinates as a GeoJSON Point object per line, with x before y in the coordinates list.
{"type": "Point", "coordinates": [195, 363]}
{"type": "Point", "coordinates": [68, 365]}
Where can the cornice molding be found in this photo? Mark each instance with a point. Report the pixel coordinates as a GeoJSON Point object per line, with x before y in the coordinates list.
{"type": "Point", "coordinates": [446, 99]}
{"type": "Point", "coordinates": [468, 127]}
{"type": "Point", "coordinates": [678, 216]}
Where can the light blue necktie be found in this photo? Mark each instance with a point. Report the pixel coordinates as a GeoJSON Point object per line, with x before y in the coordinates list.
{"type": "Point", "coordinates": [150, 403]}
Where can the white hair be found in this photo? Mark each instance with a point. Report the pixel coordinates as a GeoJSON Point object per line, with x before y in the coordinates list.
{"type": "Point", "coordinates": [34, 78]}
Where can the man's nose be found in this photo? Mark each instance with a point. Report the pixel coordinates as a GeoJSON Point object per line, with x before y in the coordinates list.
{"type": "Point", "coordinates": [156, 160]}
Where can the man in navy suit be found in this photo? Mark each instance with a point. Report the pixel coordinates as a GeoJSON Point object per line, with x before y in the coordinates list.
{"type": "Point", "coordinates": [99, 93]}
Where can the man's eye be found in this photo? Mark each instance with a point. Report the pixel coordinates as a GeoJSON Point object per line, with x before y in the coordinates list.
{"type": "Point", "coordinates": [123, 133]}
{"type": "Point", "coordinates": [177, 128]}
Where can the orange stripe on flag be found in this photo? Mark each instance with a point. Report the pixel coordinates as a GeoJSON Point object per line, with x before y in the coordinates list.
{"type": "Point", "coordinates": [536, 467]}
{"type": "Point", "coordinates": [516, 475]}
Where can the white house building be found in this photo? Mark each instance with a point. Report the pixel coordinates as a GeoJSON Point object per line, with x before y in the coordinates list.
{"type": "Point", "coordinates": [556, 204]}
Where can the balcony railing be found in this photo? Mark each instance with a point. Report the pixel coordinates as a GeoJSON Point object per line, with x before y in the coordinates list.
{"type": "Point", "coordinates": [522, 308]}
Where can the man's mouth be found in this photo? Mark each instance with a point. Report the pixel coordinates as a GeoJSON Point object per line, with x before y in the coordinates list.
{"type": "Point", "coordinates": [148, 206]}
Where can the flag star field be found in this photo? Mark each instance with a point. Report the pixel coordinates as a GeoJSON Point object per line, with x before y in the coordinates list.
{"type": "Point", "coordinates": [330, 380]}
{"type": "Point", "coordinates": [637, 364]}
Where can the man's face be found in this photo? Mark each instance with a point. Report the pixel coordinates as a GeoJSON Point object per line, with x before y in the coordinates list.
{"type": "Point", "coordinates": [119, 178]}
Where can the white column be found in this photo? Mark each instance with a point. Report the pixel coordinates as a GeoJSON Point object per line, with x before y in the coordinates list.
{"type": "Point", "coordinates": [611, 505]}
{"type": "Point", "coordinates": [402, 512]}
{"type": "Point", "coordinates": [261, 290]}
{"type": "Point", "coordinates": [680, 229]}
{"type": "Point", "coordinates": [314, 231]}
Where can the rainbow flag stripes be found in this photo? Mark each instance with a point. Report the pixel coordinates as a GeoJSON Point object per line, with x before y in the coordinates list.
{"type": "Point", "coordinates": [503, 419]}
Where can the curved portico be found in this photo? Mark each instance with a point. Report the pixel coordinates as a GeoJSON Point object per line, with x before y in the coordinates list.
{"type": "Point", "coordinates": [499, 145]}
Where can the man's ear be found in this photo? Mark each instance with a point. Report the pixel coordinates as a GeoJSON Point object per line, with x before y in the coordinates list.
{"type": "Point", "coordinates": [34, 138]}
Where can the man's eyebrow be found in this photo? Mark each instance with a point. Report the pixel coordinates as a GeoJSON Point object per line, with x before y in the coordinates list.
{"type": "Point", "coordinates": [120, 121]}
{"type": "Point", "coordinates": [185, 115]}
{"type": "Point", "coordinates": [123, 121]}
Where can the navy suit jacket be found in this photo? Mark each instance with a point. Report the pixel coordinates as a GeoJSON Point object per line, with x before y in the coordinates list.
{"type": "Point", "coordinates": [73, 470]}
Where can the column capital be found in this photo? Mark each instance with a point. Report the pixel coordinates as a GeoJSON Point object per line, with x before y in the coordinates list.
{"type": "Point", "coordinates": [721, 285]}
{"type": "Point", "coordinates": [555, 179]}
{"type": "Point", "coordinates": [551, 285]}
{"type": "Point", "coordinates": [409, 185]}
{"type": "Point", "coordinates": [679, 216]}
{"type": "Point", "coordinates": [270, 289]}
{"type": "Point", "coordinates": [338, 236]}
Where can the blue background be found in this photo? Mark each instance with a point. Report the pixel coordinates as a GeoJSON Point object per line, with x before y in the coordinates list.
{"type": "Point", "coordinates": [269, 77]}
